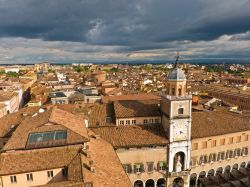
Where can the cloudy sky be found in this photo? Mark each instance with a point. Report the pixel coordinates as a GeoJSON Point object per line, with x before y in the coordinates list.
{"type": "Point", "coordinates": [123, 30]}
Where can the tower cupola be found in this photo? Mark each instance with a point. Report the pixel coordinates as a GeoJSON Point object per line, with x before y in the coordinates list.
{"type": "Point", "coordinates": [176, 80]}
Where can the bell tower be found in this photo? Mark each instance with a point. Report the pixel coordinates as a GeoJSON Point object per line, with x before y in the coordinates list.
{"type": "Point", "coordinates": [176, 120]}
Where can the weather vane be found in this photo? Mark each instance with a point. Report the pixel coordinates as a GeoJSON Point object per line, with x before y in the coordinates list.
{"type": "Point", "coordinates": [177, 60]}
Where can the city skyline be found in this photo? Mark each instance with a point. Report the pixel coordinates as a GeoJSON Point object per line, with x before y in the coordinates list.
{"type": "Point", "coordinates": [96, 31]}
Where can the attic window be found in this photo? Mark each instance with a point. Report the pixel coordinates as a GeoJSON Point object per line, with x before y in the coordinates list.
{"type": "Point", "coordinates": [47, 136]}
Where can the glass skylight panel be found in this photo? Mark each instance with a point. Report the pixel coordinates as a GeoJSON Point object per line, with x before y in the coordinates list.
{"type": "Point", "coordinates": [47, 136]}
{"type": "Point", "coordinates": [60, 135]}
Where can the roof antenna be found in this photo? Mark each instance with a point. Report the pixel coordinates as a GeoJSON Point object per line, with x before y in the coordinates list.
{"type": "Point", "coordinates": [177, 60]}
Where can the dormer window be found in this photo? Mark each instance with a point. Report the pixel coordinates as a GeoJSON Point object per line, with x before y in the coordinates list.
{"type": "Point", "coordinates": [180, 111]}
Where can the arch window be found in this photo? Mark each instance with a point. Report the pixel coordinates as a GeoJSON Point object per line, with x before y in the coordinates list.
{"type": "Point", "coordinates": [179, 91]}
{"type": "Point", "coordinates": [179, 160]}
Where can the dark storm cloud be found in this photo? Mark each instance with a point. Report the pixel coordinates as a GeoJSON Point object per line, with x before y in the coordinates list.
{"type": "Point", "coordinates": [134, 24]}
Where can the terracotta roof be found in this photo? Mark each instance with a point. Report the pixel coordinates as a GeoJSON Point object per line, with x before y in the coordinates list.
{"type": "Point", "coordinates": [138, 108]}
{"type": "Point", "coordinates": [218, 122]}
{"type": "Point", "coordinates": [99, 113]}
{"type": "Point", "coordinates": [7, 95]}
{"type": "Point", "coordinates": [64, 184]}
{"type": "Point", "coordinates": [37, 159]}
{"type": "Point", "coordinates": [54, 119]}
{"type": "Point", "coordinates": [70, 121]}
{"type": "Point", "coordinates": [2, 106]}
{"type": "Point", "coordinates": [108, 169]}
{"type": "Point", "coordinates": [144, 96]}
{"type": "Point", "coordinates": [133, 135]}
{"type": "Point", "coordinates": [10, 121]}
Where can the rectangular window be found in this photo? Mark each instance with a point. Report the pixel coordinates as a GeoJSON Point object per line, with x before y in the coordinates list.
{"type": "Point", "coordinates": [156, 120]}
{"type": "Point", "coordinates": [203, 159]}
{"type": "Point", "coordinates": [127, 122]}
{"type": "Point", "coordinates": [246, 137]}
{"type": "Point", "coordinates": [29, 177]}
{"type": "Point", "coordinates": [237, 152]}
{"type": "Point", "coordinates": [121, 122]}
{"type": "Point", "coordinates": [145, 121]}
{"type": "Point", "coordinates": [13, 179]}
{"type": "Point", "coordinates": [244, 151]}
{"type": "Point", "coordinates": [150, 166]}
{"type": "Point", "coordinates": [151, 120]}
{"type": "Point", "coordinates": [238, 139]}
{"type": "Point", "coordinates": [204, 145]}
{"type": "Point", "coordinates": [195, 146]}
{"type": "Point", "coordinates": [161, 166]}
{"type": "Point", "coordinates": [180, 111]}
{"type": "Point", "coordinates": [221, 156]}
{"type": "Point", "coordinates": [65, 171]}
{"type": "Point", "coordinates": [229, 154]}
{"type": "Point", "coordinates": [134, 121]}
{"type": "Point", "coordinates": [193, 161]}
{"type": "Point", "coordinates": [231, 140]}
{"type": "Point", "coordinates": [50, 174]}
{"type": "Point", "coordinates": [127, 168]}
{"type": "Point", "coordinates": [222, 141]}
{"type": "Point", "coordinates": [213, 143]}
{"type": "Point", "coordinates": [212, 157]}
{"type": "Point", "coordinates": [138, 168]}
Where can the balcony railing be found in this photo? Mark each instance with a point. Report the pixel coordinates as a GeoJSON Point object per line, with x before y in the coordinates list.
{"type": "Point", "coordinates": [180, 173]}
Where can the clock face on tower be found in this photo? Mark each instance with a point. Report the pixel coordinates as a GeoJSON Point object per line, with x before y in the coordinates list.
{"type": "Point", "coordinates": [180, 131]}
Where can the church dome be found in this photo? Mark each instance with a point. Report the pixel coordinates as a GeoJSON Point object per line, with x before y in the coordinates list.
{"type": "Point", "coordinates": [176, 74]}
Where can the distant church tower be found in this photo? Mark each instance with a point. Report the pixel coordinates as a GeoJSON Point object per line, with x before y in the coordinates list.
{"type": "Point", "coordinates": [176, 119]}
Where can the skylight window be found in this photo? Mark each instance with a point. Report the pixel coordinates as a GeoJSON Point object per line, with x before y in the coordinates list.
{"type": "Point", "coordinates": [47, 136]}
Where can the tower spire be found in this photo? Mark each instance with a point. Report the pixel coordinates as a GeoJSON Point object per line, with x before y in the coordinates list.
{"type": "Point", "coordinates": [177, 60]}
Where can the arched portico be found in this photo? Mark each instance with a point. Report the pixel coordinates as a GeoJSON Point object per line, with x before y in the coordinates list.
{"type": "Point", "coordinates": [201, 175]}
{"type": "Point", "coordinates": [227, 169]}
{"type": "Point", "coordinates": [210, 172]}
{"type": "Point", "coordinates": [161, 182]}
{"type": "Point", "coordinates": [193, 180]}
{"type": "Point", "coordinates": [219, 171]}
{"type": "Point", "coordinates": [138, 183]}
{"type": "Point", "coordinates": [178, 182]}
{"type": "Point", "coordinates": [243, 165]}
{"type": "Point", "coordinates": [150, 183]}
{"type": "Point", "coordinates": [235, 167]}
